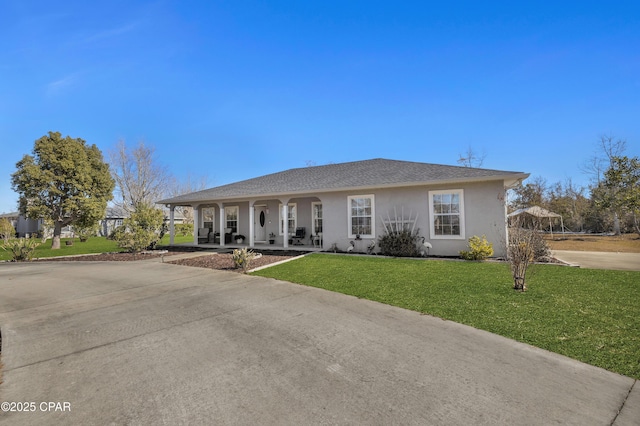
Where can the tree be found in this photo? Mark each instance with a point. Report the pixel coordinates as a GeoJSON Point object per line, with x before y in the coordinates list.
{"type": "Point", "coordinates": [139, 178]}
{"type": "Point", "coordinates": [471, 158]}
{"type": "Point", "coordinates": [64, 181]}
{"type": "Point", "coordinates": [531, 194]}
{"type": "Point", "coordinates": [620, 189]}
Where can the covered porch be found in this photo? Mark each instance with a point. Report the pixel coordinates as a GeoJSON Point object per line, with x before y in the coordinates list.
{"type": "Point", "coordinates": [269, 224]}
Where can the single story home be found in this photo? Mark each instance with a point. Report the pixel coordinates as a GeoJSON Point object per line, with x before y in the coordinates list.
{"type": "Point", "coordinates": [23, 226]}
{"type": "Point", "coordinates": [354, 203]}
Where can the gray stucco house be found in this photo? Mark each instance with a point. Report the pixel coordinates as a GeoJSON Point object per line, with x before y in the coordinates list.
{"type": "Point", "coordinates": [340, 203]}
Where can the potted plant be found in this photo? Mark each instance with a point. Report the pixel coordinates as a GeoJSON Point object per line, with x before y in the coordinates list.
{"type": "Point", "coordinates": [272, 238]}
{"type": "Point", "coordinates": [239, 238]}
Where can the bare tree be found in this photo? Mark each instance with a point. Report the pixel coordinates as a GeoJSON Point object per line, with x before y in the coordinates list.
{"type": "Point", "coordinates": [185, 186]}
{"type": "Point", "coordinates": [607, 148]}
{"type": "Point", "coordinates": [140, 178]}
{"type": "Point", "coordinates": [471, 158]}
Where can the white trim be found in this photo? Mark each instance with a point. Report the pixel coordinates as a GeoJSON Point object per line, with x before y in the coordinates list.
{"type": "Point", "coordinates": [461, 215]}
{"type": "Point", "coordinates": [313, 217]}
{"type": "Point", "coordinates": [292, 211]}
{"type": "Point", "coordinates": [373, 216]}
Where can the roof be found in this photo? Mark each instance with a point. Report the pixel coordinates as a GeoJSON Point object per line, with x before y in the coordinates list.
{"type": "Point", "coordinates": [534, 211]}
{"type": "Point", "coordinates": [365, 174]}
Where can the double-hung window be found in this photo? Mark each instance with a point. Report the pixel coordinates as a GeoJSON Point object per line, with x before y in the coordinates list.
{"type": "Point", "coordinates": [446, 209]}
{"type": "Point", "coordinates": [361, 211]}
{"type": "Point", "coordinates": [292, 219]}
{"type": "Point", "coordinates": [231, 218]}
{"type": "Point", "coordinates": [317, 217]}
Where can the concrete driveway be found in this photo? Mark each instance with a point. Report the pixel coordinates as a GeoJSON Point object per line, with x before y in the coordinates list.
{"type": "Point", "coordinates": [153, 343]}
{"type": "Point", "coordinates": [600, 260]}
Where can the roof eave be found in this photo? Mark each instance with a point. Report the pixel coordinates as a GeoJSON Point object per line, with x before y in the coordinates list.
{"type": "Point", "coordinates": [510, 181]}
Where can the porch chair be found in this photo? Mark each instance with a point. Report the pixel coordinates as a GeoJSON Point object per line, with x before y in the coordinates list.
{"type": "Point", "coordinates": [300, 234]}
{"type": "Point", "coordinates": [203, 235]}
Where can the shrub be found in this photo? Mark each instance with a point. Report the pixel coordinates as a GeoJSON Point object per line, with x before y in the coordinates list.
{"type": "Point", "coordinates": [401, 243]}
{"type": "Point", "coordinates": [242, 258]}
{"type": "Point", "coordinates": [7, 230]}
{"type": "Point", "coordinates": [141, 230]}
{"type": "Point", "coordinates": [479, 249]}
{"type": "Point", "coordinates": [184, 229]}
{"type": "Point", "coordinates": [525, 246]}
{"type": "Point", "coordinates": [21, 248]}
{"type": "Point", "coordinates": [86, 231]}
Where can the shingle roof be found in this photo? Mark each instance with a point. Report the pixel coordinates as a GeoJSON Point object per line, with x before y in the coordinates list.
{"type": "Point", "coordinates": [374, 173]}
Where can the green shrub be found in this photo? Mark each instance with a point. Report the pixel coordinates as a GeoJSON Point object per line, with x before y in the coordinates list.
{"type": "Point", "coordinates": [141, 230]}
{"type": "Point", "coordinates": [21, 248]}
{"type": "Point", "coordinates": [7, 230]}
{"type": "Point", "coordinates": [479, 249]}
{"type": "Point", "coordinates": [242, 258]}
{"type": "Point", "coordinates": [402, 243]}
{"type": "Point", "coordinates": [184, 229]}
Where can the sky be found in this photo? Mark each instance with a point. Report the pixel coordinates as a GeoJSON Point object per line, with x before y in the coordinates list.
{"type": "Point", "coordinates": [230, 90]}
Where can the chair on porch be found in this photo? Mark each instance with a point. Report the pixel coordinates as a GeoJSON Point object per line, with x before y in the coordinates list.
{"type": "Point", "coordinates": [299, 236]}
{"type": "Point", "coordinates": [203, 235]}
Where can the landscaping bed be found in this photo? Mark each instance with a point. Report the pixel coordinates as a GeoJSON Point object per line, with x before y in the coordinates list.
{"type": "Point", "coordinates": [224, 261]}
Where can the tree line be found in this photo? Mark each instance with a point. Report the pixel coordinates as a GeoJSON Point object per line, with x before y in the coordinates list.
{"type": "Point", "coordinates": [611, 202]}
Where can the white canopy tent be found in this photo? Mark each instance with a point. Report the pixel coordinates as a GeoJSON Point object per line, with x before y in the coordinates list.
{"type": "Point", "coordinates": [539, 213]}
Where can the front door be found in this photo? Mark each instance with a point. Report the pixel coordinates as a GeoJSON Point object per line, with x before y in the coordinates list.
{"type": "Point", "coordinates": [259, 224]}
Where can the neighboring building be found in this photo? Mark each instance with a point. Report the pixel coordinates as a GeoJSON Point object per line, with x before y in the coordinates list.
{"type": "Point", "coordinates": [355, 201]}
{"type": "Point", "coordinates": [22, 225]}
{"type": "Point", "coordinates": [112, 219]}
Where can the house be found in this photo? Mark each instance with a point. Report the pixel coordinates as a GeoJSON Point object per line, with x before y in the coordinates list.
{"type": "Point", "coordinates": [355, 201]}
{"type": "Point", "coordinates": [116, 215]}
{"type": "Point", "coordinates": [22, 225]}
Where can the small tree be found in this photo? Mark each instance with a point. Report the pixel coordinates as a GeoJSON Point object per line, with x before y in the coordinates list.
{"type": "Point", "coordinates": [141, 229]}
{"type": "Point", "coordinates": [7, 231]}
{"type": "Point", "coordinates": [524, 246]}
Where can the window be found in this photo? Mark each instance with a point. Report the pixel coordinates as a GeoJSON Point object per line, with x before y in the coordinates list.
{"type": "Point", "coordinates": [119, 222]}
{"type": "Point", "coordinates": [447, 214]}
{"type": "Point", "coordinates": [316, 208]}
{"type": "Point", "coordinates": [231, 218]}
{"type": "Point", "coordinates": [361, 216]}
{"type": "Point", "coordinates": [292, 219]}
{"type": "Point", "coordinates": [207, 217]}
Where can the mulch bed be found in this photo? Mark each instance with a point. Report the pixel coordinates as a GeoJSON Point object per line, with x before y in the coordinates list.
{"type": "Point", "coordinates": [224, 261]}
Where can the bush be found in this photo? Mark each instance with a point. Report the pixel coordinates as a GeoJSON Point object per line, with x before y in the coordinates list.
{"type": "Point", "coordinates": [7, 230]}
{"type": "Point", "coordinates": [402, 243]}
{"type": "Point", "coordinates": [184, 229]}
{"type": "Point", "coordinates": [21, 248]}
{"type": "Point", "coordinates": [525, 246]}
{"type": "Point", "coordinates": [141, 230]}
{"type": "Point", "coordinates": [479, 249]}
{"type": "Point", "coordinates": [242, 258]}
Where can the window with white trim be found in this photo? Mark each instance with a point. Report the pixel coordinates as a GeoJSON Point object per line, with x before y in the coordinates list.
{"type": "Point", "coordinates": [231, 218]}
{"type": "Point", "coordinates": [316, 218]}
{"type": "Point", "coordinates": [208, 215]}
{"type": "Point", "coordinates": [361, 216]}
{"type": "Point", "coordinates": [446, 209]}
{"type": "Point", "coordinates": [292, 219]}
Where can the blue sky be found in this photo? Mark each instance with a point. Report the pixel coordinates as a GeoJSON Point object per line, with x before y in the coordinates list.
{"type": "Point", "coordinates": [237, 89]}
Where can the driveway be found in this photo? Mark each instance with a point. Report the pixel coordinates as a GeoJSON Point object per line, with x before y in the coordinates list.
{"type": "Point", "coordinates": [600, 260]}
{"type": "Point", "coordinates": [153, 343]}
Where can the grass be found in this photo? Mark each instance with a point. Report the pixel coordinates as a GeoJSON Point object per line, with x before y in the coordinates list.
{"type": "Point", "coordinates": [589, 315]}
{"type": "Point", "coordinates": [92, 245]}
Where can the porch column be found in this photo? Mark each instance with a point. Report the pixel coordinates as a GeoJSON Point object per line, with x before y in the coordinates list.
{"type": "Point", "coordinates": [252, 214]}
{"type": "Point", "coordinates": [196, 222]}
{"type": "Point", "coordinates": [222, 222]}
{"type": "Point", "coordinates": [285, 223]}
{"type": "Point", "coordinates": [172, 228]}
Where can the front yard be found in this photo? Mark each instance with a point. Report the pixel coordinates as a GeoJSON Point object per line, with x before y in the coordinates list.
{"type": "Point", "coordinates": [589, 315]}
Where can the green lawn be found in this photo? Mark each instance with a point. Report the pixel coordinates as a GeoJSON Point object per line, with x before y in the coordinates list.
{"type": "Point", "coordinates": [92, 245]}
{"type": "Point", "coordinates": [589, 315]}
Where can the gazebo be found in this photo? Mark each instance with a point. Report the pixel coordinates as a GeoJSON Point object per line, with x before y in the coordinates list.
{"type": "Point", "coordinates": [540, 213]}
